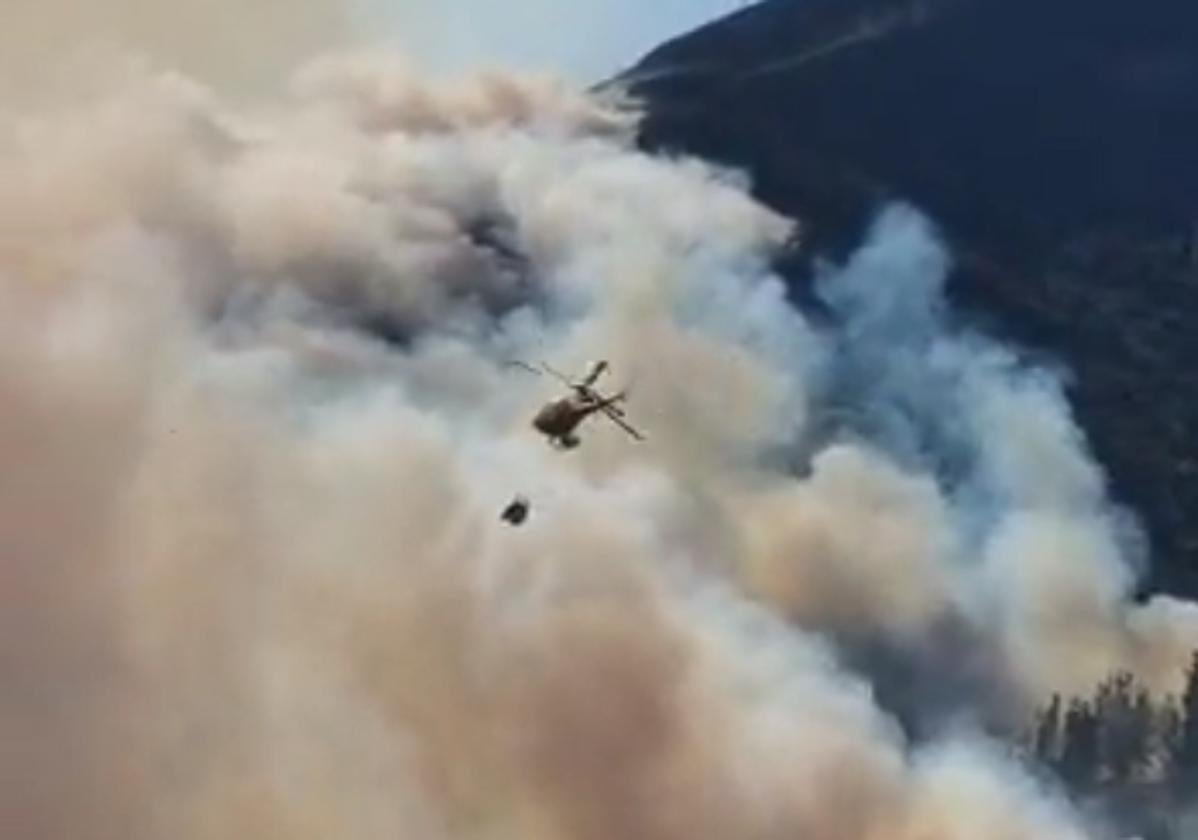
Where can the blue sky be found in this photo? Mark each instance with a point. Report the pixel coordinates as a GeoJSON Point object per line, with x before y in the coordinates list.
{"type": "Point", "coordinates": [241, 45]}
{"type": "Point", "coordinates": [582, 39]}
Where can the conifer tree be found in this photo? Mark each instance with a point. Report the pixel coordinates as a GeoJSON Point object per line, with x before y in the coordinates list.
{"type": "Point", "coordinates": [1185, 761]}
{"type": "Point", "coordinates": [1124, 720]}
{"type": "Point", "coordinates": [1048, 733]}
{"type": "Point", "coordinates": [1079, 745]}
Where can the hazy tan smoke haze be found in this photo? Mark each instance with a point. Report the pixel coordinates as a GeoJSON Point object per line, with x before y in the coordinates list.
{"type": "Point", "coordinates": [244, 47]}
{"type": "Point", "coordinates": [258, 429]}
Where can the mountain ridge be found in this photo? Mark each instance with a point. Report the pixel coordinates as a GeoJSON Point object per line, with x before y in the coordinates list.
{"type": "Point", "coordinates": [1051, 142]}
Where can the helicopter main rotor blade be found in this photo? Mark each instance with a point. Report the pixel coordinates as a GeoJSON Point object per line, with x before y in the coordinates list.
{"type": "Point", "coordinates": [617, 417]}
{"type": "Point", "coordinates": [605, 404]}
{"type": "Point", "coordinates": [522, 365]}
{"type": "Point", "coordinates": [565, 380]}
{"type": "Point", "coordinates": [596, 371]}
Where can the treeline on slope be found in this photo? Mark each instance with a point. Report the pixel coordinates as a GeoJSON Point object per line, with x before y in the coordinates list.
{"type": "Point", "coordinates": [1122, 736]}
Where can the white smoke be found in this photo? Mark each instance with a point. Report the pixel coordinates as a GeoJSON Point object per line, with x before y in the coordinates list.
{"type": "Point", "coordinates": [259, 427]}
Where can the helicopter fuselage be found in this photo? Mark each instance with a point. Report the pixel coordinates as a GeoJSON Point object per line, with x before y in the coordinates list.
{"type": "Point", "coordinates": [560, 418]}
{"type": "Point", "coordinates": [557, 420]}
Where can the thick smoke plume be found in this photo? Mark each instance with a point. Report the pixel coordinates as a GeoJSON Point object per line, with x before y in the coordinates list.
{"type": "Point", "coordinates": [258, 426]}
{"type": "Point", "coordinates": [49, 46]}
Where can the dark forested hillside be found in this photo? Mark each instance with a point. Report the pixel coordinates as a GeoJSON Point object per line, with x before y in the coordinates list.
{"type": "Point", "coordinates": [1055, 142]}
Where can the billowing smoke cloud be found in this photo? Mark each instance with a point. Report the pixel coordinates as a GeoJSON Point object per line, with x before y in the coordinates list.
{"type": "Point", "coordinates": [258, 428]}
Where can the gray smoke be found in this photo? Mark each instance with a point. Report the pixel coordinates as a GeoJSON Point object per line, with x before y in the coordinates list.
{"type": "Point", "coordinates": [258, 428]}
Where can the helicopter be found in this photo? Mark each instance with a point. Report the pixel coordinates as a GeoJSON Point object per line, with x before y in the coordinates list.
{"type": "Point", "coordinates": [559, 419]}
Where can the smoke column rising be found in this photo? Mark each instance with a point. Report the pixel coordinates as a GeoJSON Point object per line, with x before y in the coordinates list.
{"type": "Point", "coordinates": [258, 428]}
